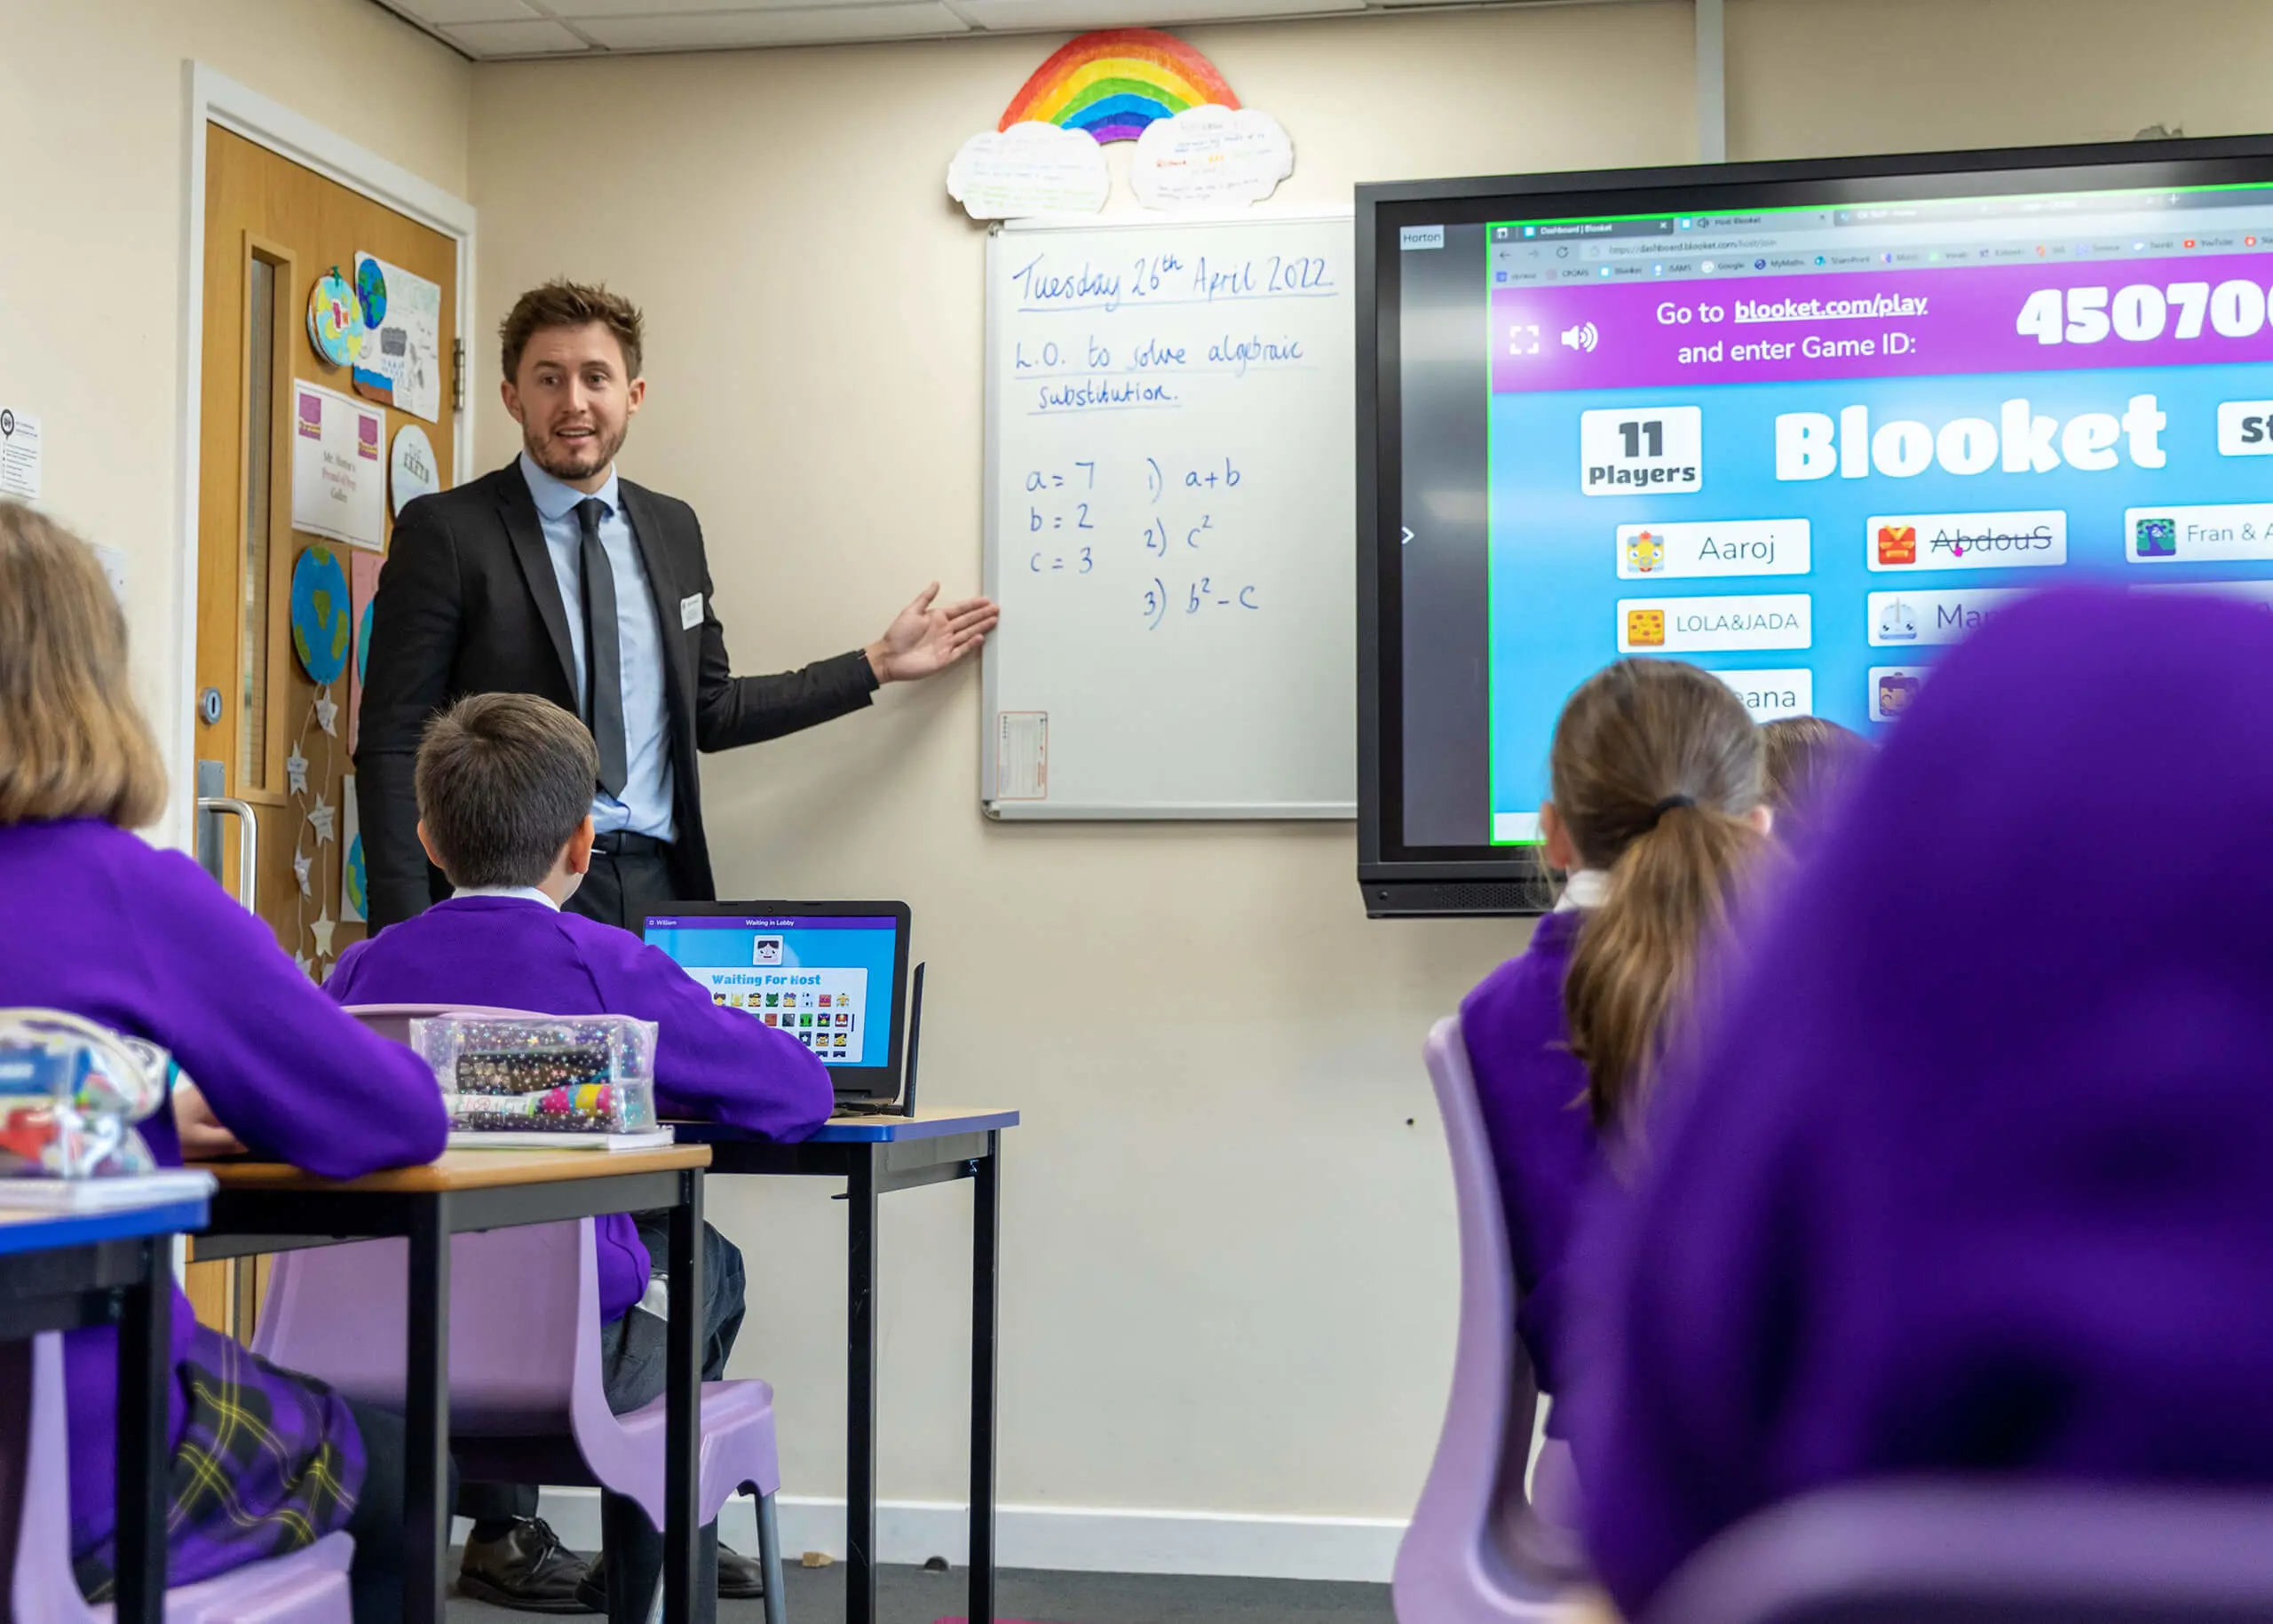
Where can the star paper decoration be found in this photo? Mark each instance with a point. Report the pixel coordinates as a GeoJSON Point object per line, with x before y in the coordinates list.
{"type": "Point", "coordinates": [327, 713]}
{"type": "Point", "coordinates": [301, 863]}
{"type": "Point", "coordinates": [296, 771]}
{"type": "Point", "coordinates": [322, 930]}
{"type": "Point", "coordinates": [321, 816]}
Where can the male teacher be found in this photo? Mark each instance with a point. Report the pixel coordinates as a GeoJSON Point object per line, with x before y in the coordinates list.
{"type": "Point", "coordinates": [553, 576]}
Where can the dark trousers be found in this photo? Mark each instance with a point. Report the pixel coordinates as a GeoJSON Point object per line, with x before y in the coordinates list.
{"type": "Point", "coordinates": [624, 887]}
{"type": "Point", "coordinates": [375, 1581]}
{"type": "Point", "coordinates": [634, 1367]}
{"type": "Point", "coordinates": [621, 889]}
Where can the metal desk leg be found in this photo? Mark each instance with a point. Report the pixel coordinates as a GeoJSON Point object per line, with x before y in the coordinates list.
{"type": "Point", "coordinates": [144, 1373]}
{"type": "Point", "coordinates": [683, 1402]}
{"type": "Point", "coordinates": [426, 1403]}
{"type": "Point", "coordinates": [986, 1297]}
{"type": "Point", "coordinates": [860, 1391]}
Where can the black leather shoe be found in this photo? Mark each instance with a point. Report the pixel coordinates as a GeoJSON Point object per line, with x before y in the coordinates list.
{"type": "Point", "coordinates": [528, 1571]}
{"type": "Point", "coordinates": [741, 1579]}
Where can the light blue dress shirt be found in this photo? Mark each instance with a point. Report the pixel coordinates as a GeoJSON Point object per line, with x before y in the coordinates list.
{"type": "Point", "coordinates": [646, 806]}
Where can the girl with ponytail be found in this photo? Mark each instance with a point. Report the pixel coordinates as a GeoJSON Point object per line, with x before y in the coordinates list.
{"type": "Point", "coordinates": [1657, 783]}
{"type": "Point", "coordinates": [1655, 809]}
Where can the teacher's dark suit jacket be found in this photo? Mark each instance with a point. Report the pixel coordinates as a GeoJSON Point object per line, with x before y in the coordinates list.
{"type": "Point", "coordinates": [468, 603]}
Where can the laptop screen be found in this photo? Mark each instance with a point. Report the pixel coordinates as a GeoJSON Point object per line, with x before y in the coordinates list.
{"type": "Point", "coordinates": [825, 980]}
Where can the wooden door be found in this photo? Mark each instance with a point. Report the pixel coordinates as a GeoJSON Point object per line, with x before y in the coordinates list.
{"type": "Point", "coordinates": [267, 731]}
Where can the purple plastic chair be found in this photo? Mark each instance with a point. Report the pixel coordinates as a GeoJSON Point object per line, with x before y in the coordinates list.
{"type": "Point", "coordinates": [528, 1403]}
{"type": "Point", "coordinates": [1985, 1552]}
{"type": "Point", "coordinates": [308, 1587]}
{"type": "Point", "coordinates": [1476, 1553]}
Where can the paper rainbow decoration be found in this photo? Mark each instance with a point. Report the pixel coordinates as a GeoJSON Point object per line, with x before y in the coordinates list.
{"type": "Point", "coordinates": [1112, 83]}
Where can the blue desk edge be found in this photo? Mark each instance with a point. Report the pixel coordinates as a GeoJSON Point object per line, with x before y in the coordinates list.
{"type": "Point", "coordinates": [865, 1130]}
{"type": "Point", "coordinates": [48, 1230]}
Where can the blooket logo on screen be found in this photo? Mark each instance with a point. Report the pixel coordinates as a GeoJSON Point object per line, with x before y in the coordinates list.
{"type": "Point", "coordinates": [1898, 544]}
{"type": "Point", "coordinates": [1645, 628]}
{"type": "Point", "coordinates": [766, 950]}
{"type": "Point", "coordinates": [2156, 538]}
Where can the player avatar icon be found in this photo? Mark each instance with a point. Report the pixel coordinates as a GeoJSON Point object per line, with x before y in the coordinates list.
{"type": "Point", "coordinates": [2155, 538]}
{"type": "Point", "coordinates": [1646, 551]}
{"type": "Point", "coordinates": [1645, 628]}
{"type": "Point", "coordinates": [1897, 544]}
{"type": "Point", "coordinates": [766, 950]}
{"type": "Point", "coordinates": [1898, 622]}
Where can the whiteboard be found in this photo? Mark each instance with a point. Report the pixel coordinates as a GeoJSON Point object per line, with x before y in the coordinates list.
{"type": "Point", "coordinates": [1171, 445]}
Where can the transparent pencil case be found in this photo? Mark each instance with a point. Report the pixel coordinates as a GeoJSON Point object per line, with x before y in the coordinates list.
{"type": "Point", "coordinates": [569, 1075]}
{"type": "Point", "coordinates": [70, 1094]}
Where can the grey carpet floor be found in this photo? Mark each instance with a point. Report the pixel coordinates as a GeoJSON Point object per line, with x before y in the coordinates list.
{"type": "Point", "coordinates": [910, 1596]}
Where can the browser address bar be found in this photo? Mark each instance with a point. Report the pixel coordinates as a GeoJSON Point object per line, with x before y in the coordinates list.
{"type": "Point", "coordinates": [1657, 248]}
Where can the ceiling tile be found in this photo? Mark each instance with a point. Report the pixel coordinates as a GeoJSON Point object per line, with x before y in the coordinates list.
{"type": "Point", "coordinates": [540, 37]}
{"type": "Point", "coordinates": [1080, 15]}
{"type": "Point", "coordinates": [449, 14]}
{"type": "Point", "coordinates": [578, 10]}
{"type": "Point", "coordinates": [807, 25]}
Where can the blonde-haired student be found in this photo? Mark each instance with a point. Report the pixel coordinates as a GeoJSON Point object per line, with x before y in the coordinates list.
{"type": "Point", "coordinates": [1654, 811]}
{"type": "Point", "coordinates": [95, 921]}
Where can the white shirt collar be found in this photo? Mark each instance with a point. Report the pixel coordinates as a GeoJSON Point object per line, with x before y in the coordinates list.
{"type": "Point", "coordinates": [520, 893]}
{"type": "Point", "coordinates": [556, 499]}
{"type": "Point", "coordinates": [1581, 888]}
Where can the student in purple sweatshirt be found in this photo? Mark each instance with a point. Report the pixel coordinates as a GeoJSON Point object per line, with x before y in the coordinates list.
{"type": "Point", "coordinates": [96, 922]}
{"type": "Point", "coordinates": [504, 785]}
{"type": "Point", "coordinates": [1654, 779]}
{"type": "Point", "coordinates": [1969, 1176]}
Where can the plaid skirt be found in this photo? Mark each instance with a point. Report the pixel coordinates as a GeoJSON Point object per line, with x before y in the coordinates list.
{"type": "Point", "coordinates": [269, 1462]}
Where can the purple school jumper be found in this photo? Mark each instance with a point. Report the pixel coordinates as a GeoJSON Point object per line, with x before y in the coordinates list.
{"type": "Point", "coordinates": [1974, 1172]}
{"type": "Point", "coordinates": [95, 921]}
{"type": "Point", "coordinates": [712, 1064]}
{"type": "Point", "coordinates": [1533, 1092]}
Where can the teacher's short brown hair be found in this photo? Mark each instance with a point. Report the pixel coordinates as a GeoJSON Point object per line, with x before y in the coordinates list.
{"type": "Point", "coordinates": [73, 742]}
{"type": "Point", "coordinates": [566, 304]}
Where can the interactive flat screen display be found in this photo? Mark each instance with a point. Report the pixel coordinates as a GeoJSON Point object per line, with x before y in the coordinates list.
{"type": "Point", "coordinates": [826, 980]}
{"type": "Point", "coordinates": [1804, 428]}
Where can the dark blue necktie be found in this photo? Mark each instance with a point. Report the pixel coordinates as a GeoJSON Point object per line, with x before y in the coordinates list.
{"type": "Point", "coordinates": [602, 654]}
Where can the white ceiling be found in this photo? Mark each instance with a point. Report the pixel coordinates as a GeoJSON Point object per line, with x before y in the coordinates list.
{"type": "Point", "coordinates": [504, 30]}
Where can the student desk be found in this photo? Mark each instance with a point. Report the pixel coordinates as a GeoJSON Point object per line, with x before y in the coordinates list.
{"type": "Point", "coordinates": [875, 1155]}
{"type": "Point", "coordinates": [271, 1206]}
{"type": "Point", "coordinates": [63, 1271]}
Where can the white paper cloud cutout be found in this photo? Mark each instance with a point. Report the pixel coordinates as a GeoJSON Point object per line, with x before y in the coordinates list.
{"type": "Point", "coordinates": [1030, 167]}
{"type": "Point", "coordinates": [1210, 155]}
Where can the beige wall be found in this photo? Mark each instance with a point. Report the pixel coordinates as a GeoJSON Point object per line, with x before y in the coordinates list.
{"type": "Point", "coordinates": [1229, 1264]}
{"type": "Point", "coordinates": [91, 252]}
{"type": "Point", "coordinates": [1810, 77]}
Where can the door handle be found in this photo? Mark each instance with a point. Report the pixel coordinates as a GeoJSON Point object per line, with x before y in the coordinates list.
{"type": "Point", "coordinates": [248, 844]}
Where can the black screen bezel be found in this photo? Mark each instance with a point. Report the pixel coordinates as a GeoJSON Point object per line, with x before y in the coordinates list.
{"type": "Point", "coordinates": [1382, 211]}
{"type": "Point", "coordinates": [861, 1082]}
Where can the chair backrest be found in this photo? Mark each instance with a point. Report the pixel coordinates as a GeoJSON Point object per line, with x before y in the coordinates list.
{"type": "Point", "coordinates": [1958, 1552]}
{"type": "Point", "coordinates": [35, 1448]}
{"type": "Point", "coordinates": [1454, 1565]}
{"type": "Point", "coordinates": [524, 1304]}
{"type": "Point", "coordinates": [393, 1021]}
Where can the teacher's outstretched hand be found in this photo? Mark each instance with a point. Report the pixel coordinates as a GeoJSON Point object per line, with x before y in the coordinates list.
{"type": "Point", "coordinates": [927, 637]}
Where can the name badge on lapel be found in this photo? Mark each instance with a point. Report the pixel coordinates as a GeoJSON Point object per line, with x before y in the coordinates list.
{"type": "Point", "coordinates": [690, 612]}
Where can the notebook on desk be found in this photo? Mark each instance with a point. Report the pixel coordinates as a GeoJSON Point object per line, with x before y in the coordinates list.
{"type": "Point", "coordinates": [832, 975]}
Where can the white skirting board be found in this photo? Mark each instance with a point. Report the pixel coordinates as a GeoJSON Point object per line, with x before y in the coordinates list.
{"type": "Point", "coordinates": [1066, 1540]}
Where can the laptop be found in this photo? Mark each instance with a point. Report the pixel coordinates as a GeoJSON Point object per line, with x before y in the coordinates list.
{"type": "Point", "coordinates": [832, 975]}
